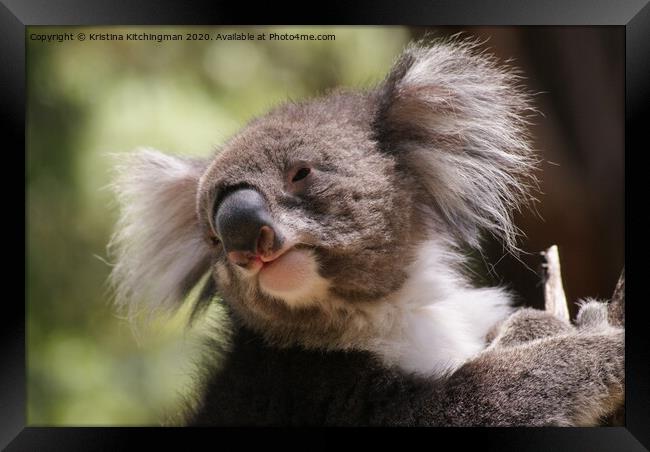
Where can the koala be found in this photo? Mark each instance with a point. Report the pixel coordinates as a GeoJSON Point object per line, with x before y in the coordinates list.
{"type": "Point", "coordinates": [332, 233]}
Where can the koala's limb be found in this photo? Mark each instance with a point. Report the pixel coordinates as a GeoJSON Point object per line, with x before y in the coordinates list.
{"type": "Point", "coordinates": [541, 370]}
{"type": "Point", "coordinates": [526, 325]}
{"type": "Point", "coordinates": [572, 379]}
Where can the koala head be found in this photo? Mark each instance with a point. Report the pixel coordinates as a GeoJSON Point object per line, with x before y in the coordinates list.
{"type": "Point", "coordinates": [316, 210]}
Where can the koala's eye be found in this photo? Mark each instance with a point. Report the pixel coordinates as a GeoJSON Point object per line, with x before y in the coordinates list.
{"type": "Point", "coordinates": [299, 178]}
{"type": "Point", "coordinates": [301, 174]}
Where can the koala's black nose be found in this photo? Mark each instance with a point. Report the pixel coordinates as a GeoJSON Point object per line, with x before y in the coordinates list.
{"type": "Point", "coordinates": [245, 227]}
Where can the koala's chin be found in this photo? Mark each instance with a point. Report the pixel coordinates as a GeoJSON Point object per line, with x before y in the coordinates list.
{"type": "Point", "coordinates": [291, 277]}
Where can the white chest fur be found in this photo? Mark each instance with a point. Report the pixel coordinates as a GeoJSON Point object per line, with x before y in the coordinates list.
{"type": "Point", "coordinates": [437, 321]}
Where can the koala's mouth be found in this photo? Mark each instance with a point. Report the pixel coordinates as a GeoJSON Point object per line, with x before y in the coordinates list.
{"type": "Point", "coordinates": [254, 263]}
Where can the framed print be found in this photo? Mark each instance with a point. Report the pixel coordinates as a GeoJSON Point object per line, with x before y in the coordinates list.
{"type": "Point", "coordinates": [327, 225]}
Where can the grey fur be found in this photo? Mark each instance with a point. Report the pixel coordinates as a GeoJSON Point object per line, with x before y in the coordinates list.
{"type": "Point", "coordinates": [403, 175]}
{"type": "Point", "coordinates": [160, 253]}
{"type": "Point", "coordinates": [561, 376]}
{"type": "Point", "coordinates": [565, 377]}
{"type": "Point", "coordinates": [526, 325]}
{"type": "Point", "coordinates": [459, 119]}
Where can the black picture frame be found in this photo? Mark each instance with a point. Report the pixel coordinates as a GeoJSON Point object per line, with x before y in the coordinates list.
{"type": "Point", "coordinates": [15, 15]}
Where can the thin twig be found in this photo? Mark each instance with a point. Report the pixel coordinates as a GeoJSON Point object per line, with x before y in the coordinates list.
{"type": "Point", "coordinates": [616, 308]}
{"type": "Point", "coordinates": [554, 297]}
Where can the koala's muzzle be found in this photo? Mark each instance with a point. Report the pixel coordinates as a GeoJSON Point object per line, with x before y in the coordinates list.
{"type": "Point", "coordinates": [245, 227]}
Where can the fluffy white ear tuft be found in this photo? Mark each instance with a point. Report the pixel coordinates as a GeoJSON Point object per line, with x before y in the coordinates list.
{"type": "Point", "coordinates": [457, 119]}
{"type": "Point", "coordinates": [158, 248]}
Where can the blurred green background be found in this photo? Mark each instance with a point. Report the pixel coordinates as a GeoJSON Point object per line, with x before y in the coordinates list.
{"type": "Point", "coordinates": [88, 100]}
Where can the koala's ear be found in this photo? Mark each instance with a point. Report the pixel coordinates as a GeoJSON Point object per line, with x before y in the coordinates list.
{"type": "Point", "coordinates": [456, 119]}
{"type": "Point", "coordinates": [158, 248]}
